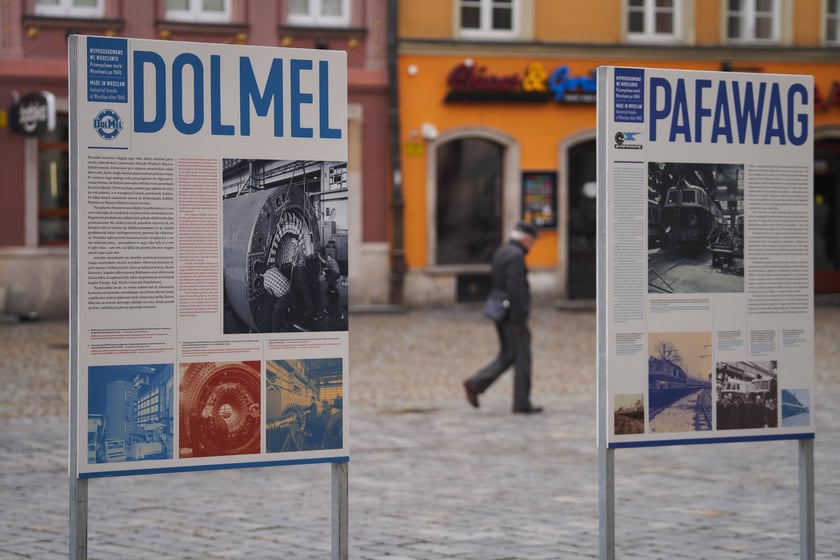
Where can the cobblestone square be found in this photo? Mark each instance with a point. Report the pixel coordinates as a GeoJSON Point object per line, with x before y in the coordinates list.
{"type": "Point", "coordinates": [429, 476]}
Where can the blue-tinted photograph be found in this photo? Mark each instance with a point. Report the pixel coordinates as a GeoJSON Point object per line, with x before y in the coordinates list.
{"type": "Point", "coordinates": [679, 382]}
{"type": "Point", "coordinates": [130, 413]}
{"type": "Point", "coordinates": [304, 404]}
{"type": "Point", "coordinates": [796, 407]}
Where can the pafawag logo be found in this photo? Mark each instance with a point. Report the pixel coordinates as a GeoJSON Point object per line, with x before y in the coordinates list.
{"type": "Point", "coordinates": [627, 141]}
{"type": "Point", "coordinates": [108, 124]}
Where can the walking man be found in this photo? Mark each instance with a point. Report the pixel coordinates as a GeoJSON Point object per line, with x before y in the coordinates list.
{"type": "Point", "coordinates": [510, 275]}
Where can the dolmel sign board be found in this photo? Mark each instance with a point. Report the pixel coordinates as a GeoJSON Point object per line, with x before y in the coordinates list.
{"type": "Point", "coordinates": [209, 256]}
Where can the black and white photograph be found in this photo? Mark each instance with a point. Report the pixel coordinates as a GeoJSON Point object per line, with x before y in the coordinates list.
{"type": "Point", "coordinates": [285, 245]}
{"type": "Point", "coordinates": [747, 395]}
{"type": "Point", "coordinates": [304, 405]}
{"type": "Point", "coordinates": [679, 381]}
{"type": "Point", "coordinates": [695, 228]}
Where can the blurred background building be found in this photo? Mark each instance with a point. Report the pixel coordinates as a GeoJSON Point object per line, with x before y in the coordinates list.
{"type": "Point", "coordinates": [465, 116]}
{"type": "Point", "coordinates": [498, 120]}
{"type": "Point", "coordinates": [34, 226]}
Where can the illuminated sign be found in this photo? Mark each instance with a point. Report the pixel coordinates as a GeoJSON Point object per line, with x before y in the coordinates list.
{"type": "Point", "coordinates": [34, 114]}
{"type": "Point", "coordinates": [469, 82]}
{"type": "Point", "coordinates": [826, 102]}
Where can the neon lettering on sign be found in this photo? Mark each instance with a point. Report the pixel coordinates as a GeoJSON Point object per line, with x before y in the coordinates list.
{"type": "Point", "coordinates": [473, 83]}
{"type": "Point", "coordinates": [465, 77]}
{"type": "Point", "coordinates": [830, 100]}
{"type": "Point", "coordinates": [562, 83]}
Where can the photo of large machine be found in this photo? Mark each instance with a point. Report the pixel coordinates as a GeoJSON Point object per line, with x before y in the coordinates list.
{"type": "Point", "coordinates": [285, 246]}
{"type": "Point", "coordinates": [130, 413]}
{"type": "Point", "coordinates": [304, 405]}
{"type": "Point", "coordinates": [219, 409]}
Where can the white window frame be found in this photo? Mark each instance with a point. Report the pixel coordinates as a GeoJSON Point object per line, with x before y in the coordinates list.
{"type": "Point", "coordinates": [747, 16]}
{"type": "Point", "coordinates": [66, 8]}
{"type": "Point", "coordinates": [486, 31]}
{"type": "Point", "coordinates": [196, 13]}
{"type": "Point", "coordinates": [650, 34]}
{"type": "Point", "coordinates": [831, 20]}
{"type": "Point", "coordinates": [315, 18]}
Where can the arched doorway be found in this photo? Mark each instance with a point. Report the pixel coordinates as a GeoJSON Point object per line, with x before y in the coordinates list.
{"type": "Point", "coordinates": [581, 229]}
{"type": "Point", "coordinates": [827, 215]}
{"type": "Point", "coordinates": [469, 179]}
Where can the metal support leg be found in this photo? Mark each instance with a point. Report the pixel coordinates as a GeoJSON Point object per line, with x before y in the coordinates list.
{"type": "Point", "coordinates": [606, 504]}
{"type": "Point", "coordinates": [339, 511]}
{"type": "Point", "coordinates": [78, 518]}
{"type": "Point", "coordinates": [806, 500]}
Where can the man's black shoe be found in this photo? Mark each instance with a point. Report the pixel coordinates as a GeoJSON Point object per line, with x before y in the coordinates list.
{"type": "Point", "coordinates": [529, 410]}
{"type": "Point", "coordinates": [472, 395]}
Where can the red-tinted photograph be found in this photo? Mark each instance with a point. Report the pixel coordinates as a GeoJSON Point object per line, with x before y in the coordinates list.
{"type": "Point", "coordinates": [219, 409]}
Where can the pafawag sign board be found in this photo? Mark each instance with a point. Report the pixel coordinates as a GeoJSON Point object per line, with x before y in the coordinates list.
{"type": "Point", "coordinates": [706, 329]}
{"type": "Point", "coordinates": [209, 256]}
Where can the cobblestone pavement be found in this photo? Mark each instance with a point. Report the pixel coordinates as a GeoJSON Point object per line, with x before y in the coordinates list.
{"type": "Point", "coordinates": [429, 477]}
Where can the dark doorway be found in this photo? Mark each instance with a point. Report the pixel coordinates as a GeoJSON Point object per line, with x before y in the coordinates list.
{"type": "Point", "coordinates": [826, 223]}
{"type": "Point", "coordinates": [469, 201]}
{"type": "Point", "coordinates": [580, 237]}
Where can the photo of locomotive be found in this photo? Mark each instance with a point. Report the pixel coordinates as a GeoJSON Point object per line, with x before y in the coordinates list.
{"type": "Point", "coordinates": [668, 381]}
{"type": "Point", "coordinates": [679, 381]}
{"type": "Point", "coordinates": [695, 223]}
{"type": "Point", "coordinates": [747, 394]}
{"type": "Point", "coordinates": [689, 217]}
{"type": "Point", "coordinates": [654, 219]}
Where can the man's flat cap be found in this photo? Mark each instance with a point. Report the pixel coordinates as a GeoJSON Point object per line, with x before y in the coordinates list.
{"type": "Point", "coordinates": [527, 228]}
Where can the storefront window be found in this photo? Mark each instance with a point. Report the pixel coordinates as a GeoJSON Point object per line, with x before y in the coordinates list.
{"type": "Point", "coordinates": [53, 186]}
{"type": "Point", "coordinates": [826, 203]}
{"type": "Point", "coordinates": [582, 204]}
{"type": "Point", "coordinates": [469, 201]}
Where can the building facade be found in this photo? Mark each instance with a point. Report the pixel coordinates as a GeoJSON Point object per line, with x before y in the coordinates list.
{"type": "Point", "coordinates": [34, 218]}
{"type": "Point", "coordinates": [497, 108]}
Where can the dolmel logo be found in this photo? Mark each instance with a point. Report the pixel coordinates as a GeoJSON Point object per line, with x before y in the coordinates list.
{"type": "Point", "coordinates": [108, 124]}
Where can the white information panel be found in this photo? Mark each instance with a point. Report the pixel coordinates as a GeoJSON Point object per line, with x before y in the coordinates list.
{"type": "Point", "coordinates": [706, 330]}
{"type": "Point", "coordinates": [208, 256]}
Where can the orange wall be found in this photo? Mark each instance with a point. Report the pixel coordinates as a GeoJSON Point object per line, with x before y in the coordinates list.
{"type": "Point", "coordinates": [538, 127]}
{"type": "Point", "coordinates": [427, 19]}
{"type": "Point", "coordinates": [806, 25]}
{"type": "Point", "coordinates": [577, 22]}
{"type": "Point", "coordinates": [599, 21]}
{"type": "Point", "coordinates": [707, 22]}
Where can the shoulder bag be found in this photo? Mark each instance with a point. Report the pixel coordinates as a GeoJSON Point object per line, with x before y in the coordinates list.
{"type": "Point", "coordinates": [497, 304]}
